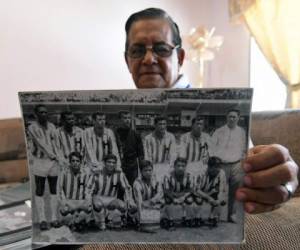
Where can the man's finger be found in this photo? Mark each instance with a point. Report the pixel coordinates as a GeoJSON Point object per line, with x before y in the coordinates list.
{"type": "Point", "coordinates": [255, 208]}
{"type": "Point", "coordinates": [262, 157]}
{"type": "Point", "coordinates": [267, 196]}
{"type": "Point", "coordinates": [271, 177]}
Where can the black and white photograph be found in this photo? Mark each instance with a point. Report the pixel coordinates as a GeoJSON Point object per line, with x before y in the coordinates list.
{"type": "Point", "coordinates": [136, 166]}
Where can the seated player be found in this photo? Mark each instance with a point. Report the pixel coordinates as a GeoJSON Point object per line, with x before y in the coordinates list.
{"type": "Point", "coordinates": [147, 191]}
{"type": "Point", "coordinates": [75, 197]}
{"type": "Point", "coordinates": [106, 185]}
{"type": "Point", "coordinates": [177, 189]}
{"type": "Point", "coordinates": [210, 189]}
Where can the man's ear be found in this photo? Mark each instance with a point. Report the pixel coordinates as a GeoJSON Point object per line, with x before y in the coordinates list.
{"type": "Point", "coordinates": [180, 55]}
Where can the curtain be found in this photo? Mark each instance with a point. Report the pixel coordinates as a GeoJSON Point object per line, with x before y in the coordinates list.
{"type": "Point", "coordinates": [275, 25]}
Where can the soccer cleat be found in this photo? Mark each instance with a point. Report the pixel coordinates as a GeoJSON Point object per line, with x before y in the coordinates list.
{"type": "Point", "coordinates": [43, 225]}
{"type": "Point", "coordinates": [55, 224]}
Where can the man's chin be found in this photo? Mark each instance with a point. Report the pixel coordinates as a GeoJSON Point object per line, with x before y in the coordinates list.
{"type": "Point", "coordinates": [151, 82]}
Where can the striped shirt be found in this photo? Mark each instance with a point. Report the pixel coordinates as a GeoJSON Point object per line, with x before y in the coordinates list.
{"type": "Point", "coordinates": [44, 140]}
{"type": "Point", "coordinates": [99, 146]}
{"type": "Point", "coordinates": [171, 183]}
{"type": "Point", "coordinates": [70, 142]}
{"type": "Point", "coordinates": [74, 186]}
{"type": "Point", "coordinates": [160, 150]}
{"type": "Point", "coordinates": [109, 184]}
{"type": "Point", "coordinates": [211, 186]}
{"type": "Point", "coordinates": [146, 191]}
{"type": "Point", "coordinates": [193, 148]}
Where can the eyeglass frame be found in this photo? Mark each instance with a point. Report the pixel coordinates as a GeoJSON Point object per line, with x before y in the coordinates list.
{"type": "Point", "coordinates": [153, 52]}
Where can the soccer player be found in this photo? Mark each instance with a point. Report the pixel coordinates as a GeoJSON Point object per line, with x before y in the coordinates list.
{"type": "Point", "coordinates": [100, 141]}
{"type": "Point", "coordinates": [70, 138]}
{"type": "Point", "coordinates": [195, 146]}
{"type": "Point", "coordinates": [75, 197]}
{"type": "Point", "coordinates": [210, 189]}
{"type": "Point", "coordinates": [160, 148]}
{"type": "Point", "coordinates": [106, 185]}
{"type": "Point", "coordinates": [147, 190]}
{"type": "Point", "coordinates": [130, 147]}
{"type": "Point", "coordinates": [43, 136]}
{"type": "Point", "coordinates": [177, 188]}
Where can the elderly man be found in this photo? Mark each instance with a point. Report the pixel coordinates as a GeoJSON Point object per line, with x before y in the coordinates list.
{"type": "Point", "coordinates": [154, 57]}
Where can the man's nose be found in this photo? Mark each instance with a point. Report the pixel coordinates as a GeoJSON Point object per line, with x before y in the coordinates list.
{"type": "Point", "coordinates": [149, 57]}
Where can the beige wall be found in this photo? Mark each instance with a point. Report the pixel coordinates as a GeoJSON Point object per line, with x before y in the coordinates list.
{"type": "Point", "coordinates": [79, 44]}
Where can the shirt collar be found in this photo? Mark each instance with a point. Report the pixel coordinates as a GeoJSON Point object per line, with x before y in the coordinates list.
{"type": "Point", "coordinates": [182, 82]}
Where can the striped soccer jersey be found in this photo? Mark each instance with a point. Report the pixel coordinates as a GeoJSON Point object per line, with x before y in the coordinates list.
{"type": "Point", "coordinates": [195, 149]}
{"type": "Point", "coordinates": [43, 140]}
{"type": "Point", "coordinates": [211, 186]}
{"type": "Point", "coordinates": [74, 186]}
{"type": "Point", "coordinates": [109, 185]}
{"type": "Point", "coordinates": [160, 150]}
{"type": "Point", "coordinates": [68, 143]}
{"type": "Point", "coordinates": [171, 183]}
{"type": "Point", "coordinates": [99, 146]}
{"type": "Point", "coordinates": [145, 191]}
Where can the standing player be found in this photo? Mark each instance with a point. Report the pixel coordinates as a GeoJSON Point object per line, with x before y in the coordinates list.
{"type": "Point", "coordinates": [195, 146]}
{"type": "Point", "coordinates": [70, 138]}
{"type": "Point", "coordinates": [130, 147]}
{"type": "Point", "coordinates": [99, 141]}
{"type": "Point", "coordinates": [177, 188]}
{"type": "Point", "coordinates": [106, 185]}
{"type": "Point", "coordinates": [210, 189]}
{"type": "Point", "coordinates": [160, 148]}
{"type": "Point", "coordinates": [75, 197]}
{"type": "Point", "coordinates": [42, 134]}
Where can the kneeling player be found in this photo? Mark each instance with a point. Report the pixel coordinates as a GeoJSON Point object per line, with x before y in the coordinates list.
{"type": "Point", "coordinates": [209, 189]}
{"type": "Point", "coordinates": [177, 190]}
{"type": "Point", "coordinates": [75, 197]}
{"type": "Point", "coordinates": [147, 193]}
{"type": "Point", "coordinates": [107, 183]}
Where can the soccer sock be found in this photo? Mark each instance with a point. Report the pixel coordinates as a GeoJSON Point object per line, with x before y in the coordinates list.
{"type": "Point", "coordinates": [53, 202]}
{"type": "Point", "coordinates": [40, 206]}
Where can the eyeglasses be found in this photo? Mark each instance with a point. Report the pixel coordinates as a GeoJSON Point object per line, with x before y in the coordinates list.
{"type": "Point", "coordinates": [159, 49]}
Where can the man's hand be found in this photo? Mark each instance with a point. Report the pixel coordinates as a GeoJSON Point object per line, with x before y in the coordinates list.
{"type": "Point", "coordinates": [267, 167]}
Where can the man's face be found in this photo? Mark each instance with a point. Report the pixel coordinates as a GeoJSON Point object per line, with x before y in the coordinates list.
{"type": "Point", "coordinates": [69, 121]}
{"type": "Point", "coordinates": [198, 127]}
{"type": "Point", "coordinates": [75, 163]}
{"type": "Point", "coordinates": [126, 120]}
{"type": "Point", "coordinates": [161, 126]}
{"type": "Point", "coordinates": [152, 71]}
{"type": "Point", "coordinates": [100, 121]}
{"type": "Point", "coordinates": [42, 114]}
{"type": "Point", "coordinates": [232, 119]}
{"type": "Point", "coordinates": [147, 172]}
{"type": "Point", "coordinates": [110, 165]}
{"type": "Point", "coordinates": [180, 168]}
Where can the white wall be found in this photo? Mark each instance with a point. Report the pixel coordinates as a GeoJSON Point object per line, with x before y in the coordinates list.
{"type": "Point", "coordinates": [79, 44]}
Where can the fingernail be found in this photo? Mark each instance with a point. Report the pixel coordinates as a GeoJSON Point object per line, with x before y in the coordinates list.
{"type": "Point", "coordinates": [250, 207]}
{"type": "Point", "coordinates": [241, 196]}
{"type": "Point", "coordinates": [247, 167]}
{"type": "Point", "coordinates": [247, 181]}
